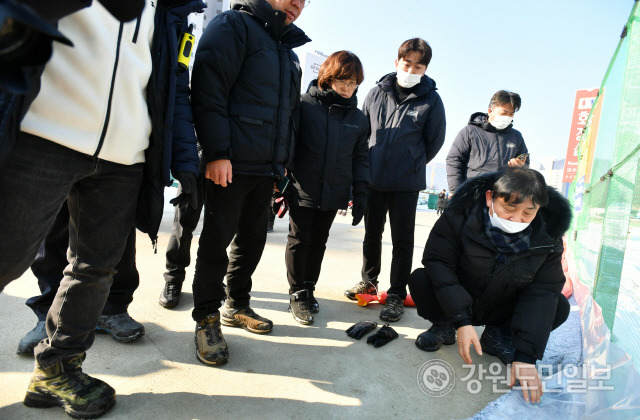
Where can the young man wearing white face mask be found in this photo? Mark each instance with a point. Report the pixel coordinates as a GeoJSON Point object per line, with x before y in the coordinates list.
{"type": "Point", "coordinates": [488, 143]}
{"type": "Point", "coordinates": [407, 131]}
{"type": "Point", "coordinates": [494, 258]}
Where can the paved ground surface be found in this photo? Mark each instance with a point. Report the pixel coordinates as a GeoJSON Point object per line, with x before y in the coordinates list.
{"type": "Point", "coordinates": [296, 371]}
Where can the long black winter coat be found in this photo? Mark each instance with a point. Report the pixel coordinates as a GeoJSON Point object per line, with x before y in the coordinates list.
{"type": "Point", "coordinates": [405, 136]}
{"type": "Point", "coordinates": [246, 88]}
{"type": "Point", "coordinates": [481, 148]}
{"type": "Point", "coordinates": [172, 144]}
{"type": "Point", "coordinates": [475, 284]}
{"type": "Point", "coordinates": [331, 151]}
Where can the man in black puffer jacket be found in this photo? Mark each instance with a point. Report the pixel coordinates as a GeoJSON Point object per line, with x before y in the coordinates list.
{"type": "Point", "coordinates": [494, 259]}
{"type": "Point", "coordinates": [407, 131]}
{"type": "Point", "coordinates": [488, 143]}
{"type": "Point", "coordinates": [246, 95]}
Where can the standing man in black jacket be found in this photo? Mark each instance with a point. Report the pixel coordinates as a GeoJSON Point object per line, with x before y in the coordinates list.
{"type": "Point", "coordinates": [407, 131]}
{"type": "Point", "coordinates": [246, 97]}
{"type": "Point", "coordinates": [488, 143]}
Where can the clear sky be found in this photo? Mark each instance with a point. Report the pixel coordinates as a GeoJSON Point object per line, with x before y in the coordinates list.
{"type": "Point", "coordinates": [544, 50]}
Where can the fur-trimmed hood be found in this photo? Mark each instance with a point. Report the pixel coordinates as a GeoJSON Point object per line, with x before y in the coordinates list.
{"type": "Point", "coordinates": [556, 215]}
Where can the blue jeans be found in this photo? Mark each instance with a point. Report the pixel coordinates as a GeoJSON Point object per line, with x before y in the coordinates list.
{"type": "Point", "coordinates": [102, 199]}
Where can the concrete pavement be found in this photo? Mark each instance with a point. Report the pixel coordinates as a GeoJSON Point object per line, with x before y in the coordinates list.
{"type": "Point", "coordinates": [295, 371]}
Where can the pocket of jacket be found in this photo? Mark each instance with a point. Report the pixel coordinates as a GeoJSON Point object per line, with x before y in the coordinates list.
{"type": "Point", "coordinates": [251, 128]}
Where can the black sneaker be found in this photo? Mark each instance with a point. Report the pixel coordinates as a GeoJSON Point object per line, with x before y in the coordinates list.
{"type": "Point", "coordinates": [32, 338]}
{"type": "Point", "coordinates": [299, 307]}
{"type": "Point", "coordinates": [363, 287]}
{"type": "Point", "coordinates": [314, 306]}
{"type": "Point", "coordinates": [65, 385]}
{"type": "Point", "coordinates": [393, 309]}
{"type": "Point", "coordinates": [211, 347]}
{"type": "Point", "coordinates": [440, 333]}
{"type": "Point", "coordinates": [121, 327]}
{"type": "Point", "coordinates": [170, 296]}
{"type": "Point", "coordinates": [496, 344]}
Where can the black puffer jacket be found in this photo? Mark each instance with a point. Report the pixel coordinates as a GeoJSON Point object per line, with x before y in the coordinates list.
{"type": "Point", "coordinates": [405, 136]}
{"type": "Point", "coordinates": [475, 284]}
{"type": "Point", "coordinates": [331, 151]}
{"type": "Point", "coordinates": [480, 148]}
{"type": "Point", "coordinates": [246, 88]}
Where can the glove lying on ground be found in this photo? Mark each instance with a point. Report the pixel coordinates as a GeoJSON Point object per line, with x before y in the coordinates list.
{"type": "Point", "coordinates": [360, 329]}
{"type": "Point", "coordinates": [382, 336]}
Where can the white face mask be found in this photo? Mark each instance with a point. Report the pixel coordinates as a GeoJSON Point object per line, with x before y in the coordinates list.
{"type": "Point", "coordinates": [507, 226]}
{"type": "Point", "coordinates": [500, 122]}
{"type": "Point", "coordinates": [407, 80]}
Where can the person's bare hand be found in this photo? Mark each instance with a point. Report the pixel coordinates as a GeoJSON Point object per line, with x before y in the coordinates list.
{"type": "Point", "coordinates": [516, 162]}
{"type": "Point", "coordinates": [529, 379]}
{"type": "Point", "coordinates": [219, 171]}
{"type": "Point", "coordinates": [466, 337]}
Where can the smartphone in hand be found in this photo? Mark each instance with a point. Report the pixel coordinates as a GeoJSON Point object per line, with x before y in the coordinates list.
{"type": "Point", "coordinates": [523, 156]}
{"type": "Point", "coordinates": [282, 183]}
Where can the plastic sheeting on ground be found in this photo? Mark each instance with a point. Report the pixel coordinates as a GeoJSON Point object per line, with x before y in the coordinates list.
{"type": "Point", "coordinates": [603, 385]}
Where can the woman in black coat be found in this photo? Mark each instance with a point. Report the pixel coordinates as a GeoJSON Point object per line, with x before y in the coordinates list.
{"type": "Point", "coordinates": [494, 259]}
{"type": "Point", "coordinates": [331, 157]}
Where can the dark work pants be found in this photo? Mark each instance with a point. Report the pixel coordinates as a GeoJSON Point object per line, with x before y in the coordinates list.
{"type": "Point", "coordinates": [402, 218]}
{"type": "Point", "coordinates": [102, 199]}
{"type": "Point", "coordinates": [236, 215]}
{"type": "Point", "coordinates": [185, 222]}
{"type": "Point", "coordinates": [428, 307]}
{"type": "Point", "coordinates": [52, 260]}
{"type": "Point", "coordinates": [308, 234]}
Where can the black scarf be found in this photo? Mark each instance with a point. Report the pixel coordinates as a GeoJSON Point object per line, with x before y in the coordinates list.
{"type": "Point", "coordinates": [506, 243]}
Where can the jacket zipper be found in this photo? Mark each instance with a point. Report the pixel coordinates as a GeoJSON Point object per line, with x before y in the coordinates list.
{"type": "Point", "coordinates": [113, 82]}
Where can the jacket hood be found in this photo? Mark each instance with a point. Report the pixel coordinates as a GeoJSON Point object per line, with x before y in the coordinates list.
{"type": "Point", "coordinates": [556, 215]}
{"type": "Point", "coordinates": [273, 21]}
{"type": "Point", "coordinates": [425, 86]}
{"type": "Point", "coordinates": [481, 119]}
{"type": "Point", "coordinates": [325, 96]}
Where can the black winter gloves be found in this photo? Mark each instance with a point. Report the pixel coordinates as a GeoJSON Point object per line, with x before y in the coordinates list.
{"type": "Point", "coordinates": [360, 329]}
{"type": "Point", "coordinates": [382, 336]}
{"type": "Point", "coordinates": [360, 194]}
{"type": "Point", "coordinates": [189, 195]}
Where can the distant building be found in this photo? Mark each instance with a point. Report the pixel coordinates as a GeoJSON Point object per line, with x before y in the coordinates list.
{"type": "Point", "coordinates": [552, 169]}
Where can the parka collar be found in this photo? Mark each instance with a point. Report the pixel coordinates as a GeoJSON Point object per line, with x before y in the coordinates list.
{"type": "Point", "coordinates": [273, 22]}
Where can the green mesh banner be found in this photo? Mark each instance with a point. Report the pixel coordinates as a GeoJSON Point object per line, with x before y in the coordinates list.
{"type": "Point", "coordinates": [605, 236]}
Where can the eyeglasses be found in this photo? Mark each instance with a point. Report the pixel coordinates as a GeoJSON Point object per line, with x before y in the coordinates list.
{"type": "Point", "coordinates": [304, 3]}
{"type": "Point", "coordinates": [346, 84]}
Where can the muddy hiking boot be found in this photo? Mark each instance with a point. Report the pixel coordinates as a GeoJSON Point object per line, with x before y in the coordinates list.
{"type": "Point", "coordinates": [170, 296]}
{"type": "Point", "coordinates": [245, 318]}
{"type": "Point", "coordinates": [494, 343]}
{"type": "Point", "coordinates": [363, 287]}
{"type": "Point", "coordinates": [211, 347]}
{"type": "Point", "coordinates": [32, 338]}
{"type": "Point", "coordinates": [440, 333]}
{"type": "Point", "coordinates": [121, 327]}
{"type": "Point", "coordinates": [393, 309]}
{"type": "Point", "coordinates": [65, 385]}
{"type": "Point", "coordinates": [299, 307]}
